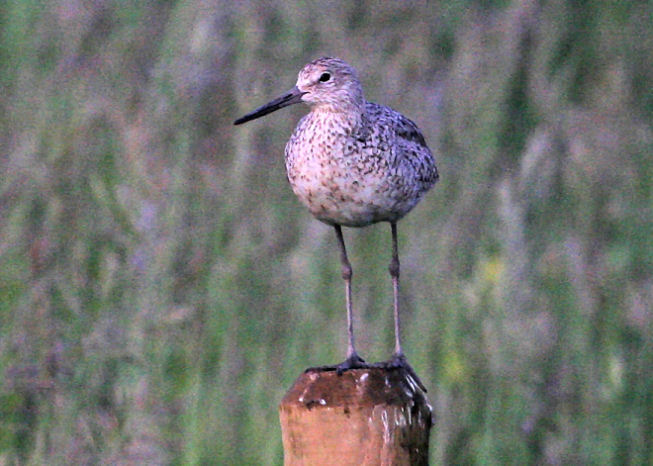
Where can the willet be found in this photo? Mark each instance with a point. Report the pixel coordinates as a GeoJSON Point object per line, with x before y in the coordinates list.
{"type": "Point", "coordinates": [353, 163]}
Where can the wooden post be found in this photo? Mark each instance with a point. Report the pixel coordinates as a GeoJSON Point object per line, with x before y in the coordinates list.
{"type": "Point", "coordinates": [375, 416]}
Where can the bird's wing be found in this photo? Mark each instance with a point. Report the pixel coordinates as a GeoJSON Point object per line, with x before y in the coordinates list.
{"type": "Point", "coordinates": [406, 142]}
{"type": "Point", "coordinates": [415, 151]}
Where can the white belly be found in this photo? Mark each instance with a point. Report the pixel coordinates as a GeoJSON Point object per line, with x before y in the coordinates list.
{"type": "Point", "coordinates": [337, 195]}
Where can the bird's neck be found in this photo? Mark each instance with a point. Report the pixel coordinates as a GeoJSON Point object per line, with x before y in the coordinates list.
{"type": "Point", "coordinates": [347, 119]}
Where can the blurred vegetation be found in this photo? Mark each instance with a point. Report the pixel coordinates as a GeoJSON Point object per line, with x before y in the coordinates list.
{"type": "Point", "coordinates": [161, 287]}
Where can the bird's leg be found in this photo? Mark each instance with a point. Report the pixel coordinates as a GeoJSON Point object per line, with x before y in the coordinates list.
{"type": "Point", "coordinates": [398, 360]}
{"type": "Point", "coordinates": [353, 360]}
{"type": "Point", "coordinates": [394, 273]}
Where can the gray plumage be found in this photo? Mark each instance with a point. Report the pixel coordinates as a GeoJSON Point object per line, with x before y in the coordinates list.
{"type": "Point", "coordinates": [357, 174]}
{"type": "Point", "coordinates": [353, 163]}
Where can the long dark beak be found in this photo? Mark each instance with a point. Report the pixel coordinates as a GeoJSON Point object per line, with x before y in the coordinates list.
{"type": "Point", "coordinates": [293, 96]}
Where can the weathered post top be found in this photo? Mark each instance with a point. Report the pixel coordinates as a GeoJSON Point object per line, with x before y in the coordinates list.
{"type": "Point", "coordinates": [373, 416]}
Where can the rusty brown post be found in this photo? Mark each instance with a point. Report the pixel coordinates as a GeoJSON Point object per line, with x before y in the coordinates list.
{"type": "Point", "coordinates": [375, 416]}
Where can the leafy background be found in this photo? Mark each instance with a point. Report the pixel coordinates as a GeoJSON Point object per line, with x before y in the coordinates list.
{"type": "Point", "coordinates": [161, 287]}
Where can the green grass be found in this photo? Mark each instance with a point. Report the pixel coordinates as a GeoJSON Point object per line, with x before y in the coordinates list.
{"type": "Point", "coordinates": [161, 287]}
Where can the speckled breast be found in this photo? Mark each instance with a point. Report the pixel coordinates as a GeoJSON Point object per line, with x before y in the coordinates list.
{"type": "Point", "coordinates": [343, 182]}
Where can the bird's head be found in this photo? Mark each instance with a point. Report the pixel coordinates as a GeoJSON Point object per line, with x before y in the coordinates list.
{"type": "Point", "coordinates": [328, 84]}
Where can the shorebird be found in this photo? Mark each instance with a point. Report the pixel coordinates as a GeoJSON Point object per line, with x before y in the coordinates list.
{"type": "Point", "coordinates": [353, 163]}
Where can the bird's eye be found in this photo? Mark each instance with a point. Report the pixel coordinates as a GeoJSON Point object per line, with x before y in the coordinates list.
{"type": "Point", "coordinates": [325, 77]}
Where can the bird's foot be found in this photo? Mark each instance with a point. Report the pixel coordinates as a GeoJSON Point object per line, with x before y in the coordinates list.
{"type": "Point", "coordinates": [399, 361]}
{"type": "Point", "coordinates": [354, 361]}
